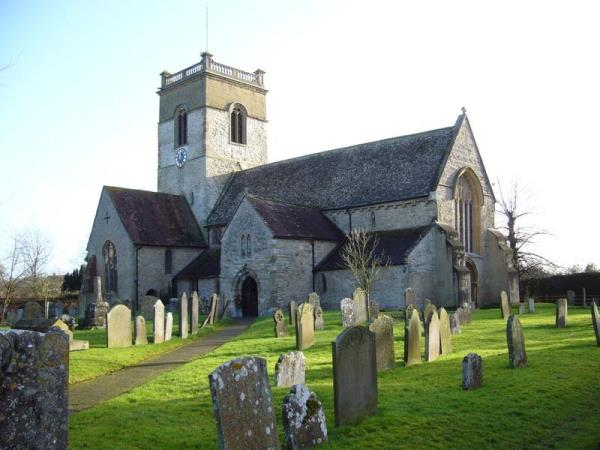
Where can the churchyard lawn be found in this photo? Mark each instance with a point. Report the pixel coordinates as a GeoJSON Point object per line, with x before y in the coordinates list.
{"type": "Point", "coordinates": [554, 402]}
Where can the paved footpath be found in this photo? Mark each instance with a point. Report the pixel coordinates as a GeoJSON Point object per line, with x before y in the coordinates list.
{"type": "Point", "coordinates": [88, 393]}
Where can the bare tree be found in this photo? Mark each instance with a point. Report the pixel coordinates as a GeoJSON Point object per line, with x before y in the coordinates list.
{"type": "Point", "coordinates": [513, 206]}
{"type": "Point", "coordinates": [360, 257]}
{"type": "Point", "coordinates": [13, 274]}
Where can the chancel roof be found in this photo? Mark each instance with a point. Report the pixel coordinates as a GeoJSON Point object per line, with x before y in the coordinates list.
{"type": "Point", "coordinates": [376, 172]}
{"type": "Point", "coordinates": [156, 219]}
{"type": "Point", "coordinates": [206, 265]}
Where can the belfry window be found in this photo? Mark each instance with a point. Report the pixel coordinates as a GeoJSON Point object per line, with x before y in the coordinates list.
{"type": "Point", "coordinates": [468, 198]}
{"type": "Point", "coordinates": [181, 127]}
{"type": "Point", "coordinates": [238, 124]}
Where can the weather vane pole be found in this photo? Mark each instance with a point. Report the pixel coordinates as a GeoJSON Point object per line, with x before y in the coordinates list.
{"type": "Point", "coordinates": [207, 28]}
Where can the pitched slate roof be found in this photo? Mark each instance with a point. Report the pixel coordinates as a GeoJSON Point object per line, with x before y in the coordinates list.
{"type": "Point", "coordinates": [393, 247]}
{"type": "Point", "coordinates": [299, 222]}
{"type": "Point", "coordinates": [206, 265]}
{"type": "Point", "coordinates": [376, 172]}
{"type": "Point", "coordinates": [153, 218]}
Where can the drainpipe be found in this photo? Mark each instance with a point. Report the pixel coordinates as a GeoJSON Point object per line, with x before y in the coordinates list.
{"type": "Point", "coordinates": [349, 220]}
{"type": "Point", "coordinates": [312, 245]}
{"type": "Point", "coordinates": [136, 282]}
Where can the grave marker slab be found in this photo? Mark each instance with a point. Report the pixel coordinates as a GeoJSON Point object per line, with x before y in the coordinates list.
{"type": "Point", "coordinates": [531, 304]}
{"type": "Point", "coordinates": [158, 326]}
{"type": "Point", "coordinates": [454, 323]}
{"type": "Point", "coordinates": [596, 322]}
{"type": "Point", "coordinates": [305, 327]}
{"type": "Point", "coordinates": [303, 419]}
{"type": "Point", "coordinates": [347, 309]}
{"type": "Point", "coordinates": [319, 321]}
{"type": "Point", "coordinates": [168, 326]}
{"type": "Point", "coordinates": [504, 305]}
{"type": "Point", "coordinates": [410, 298]}
{"type": "Point", "coordinates": [214, 308]}
{"type": "Point", "coordinates": [472, 376]}
{"type": "Point", "coordinates": [183, 316]}
{"type": "Point", "coordinates": [517, 356]}
{"type": "Point", "coordinates": [359, 300]}
{"type": "Point", "coordinates": [292, 312]}
{"type": "Point", "coordinates": [290, 369]}
{"type": "Point", "coordinates": [432, 337]}
{"type": "Point", "coordinates": [195, 307]}
{"type": "Point", "coordinates": [140, 331]}
{"type": "Point", "coordinates": [428, 311]}
{"type": "Point", "coordinates": [118, 327]}
{"type": "Point", "coordinates": [279, 324]}
{"type": "Point", "coordinates": [314, 300]}
{"type": "Point", "coordinates": [445, 333]}
{"type": "Point", "coordinates": [561, 313]}
{"type": "Point", "coordinates": [412, 339]}
{"type": "Point", "coordinates": [383, 329]}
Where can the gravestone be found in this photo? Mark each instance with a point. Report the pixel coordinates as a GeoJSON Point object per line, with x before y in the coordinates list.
{"type": "Point", "coordinates": [571, 297]}
{"type": "Point", "coordinates": [183, 316]}
{"type": "Point", "coordinates": [140, 331]}
{"type": "Point", "coordinates": [290, 369]}
{"type": "Point", "coordinates": [359, 300]}
{"type": "Point", "coordinates": [243, 406]}
{"type": "Point", "coordinates": [305, 327]}
{"type": "Point", "coordinates": [521, 308]}
{"type": "Point", "coordinates": [292, 311]}
{"type": "Point", "coordinates": [472, 376]}
{"type": "Point", "coordinates": [354, 375]}
{"type": "Point", "coordinates": [504, 305]}
{"type": "Point", "coordinates": [147, 306]}
{"type": "Point", "coordinates": [561, 313]}
{"type": "Point", "coordinates": [596, 322]}
{"type": "Point", "coordinates": [34, 374]}
{"type": "Point", "coordinates": [432, 338]}
{"type": "Point", "coordinates": [454, 323]}
{"type": "Point", "coordinates": [445, 333]}
{"type": "Point", "coordinates": [347, 309]}
{"type": "Point", "coordinates": [410, 297]}
{"type": "Point", "coordinates": [428, 311]}
{"type": "Point", "coordinates": [314, 300]}
{"type": "Point", "coordinates": [118, 327]}
{"type": "Point", "coordinates": [96, 311]}
{"type": "Point", "coordinates": [168, 326]}
{"type": "Point", "coordinates": [383, 329]}
{"type": "Point", "coordinates": [214, 308]}
{"type": "Point", "coordinates": [158, 326]}
{"type": "Point", "coordinates": [408, 311]}
{"type": "Point", "coordinates": [531, 304]}
{"type": "Point", "coordinates": [33, 310]}
{"type": "Point", "coordinates": [59, 324]}
{"type": "Point", "coordinates": [279, 322]}
{"type": "Point", "coordinates": [517, 356]}
{"type": "Point", "coordinates": [195, 306]}
{"type": "Point", "coordinates": [412, 339]}
{"type": "Point", "coordinates": [319, 321]}
{"type": "Point", "coordinates": [374, 309]}
{"type": "Point", "coordinates": [303, 419]}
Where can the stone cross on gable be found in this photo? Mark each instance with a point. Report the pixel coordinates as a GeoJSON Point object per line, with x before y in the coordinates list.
{"type": "Point", "coordinates": [107, 217]}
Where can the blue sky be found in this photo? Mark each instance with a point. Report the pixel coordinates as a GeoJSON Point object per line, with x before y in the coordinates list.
{"type": "Point", "coordinates": [78, 107]}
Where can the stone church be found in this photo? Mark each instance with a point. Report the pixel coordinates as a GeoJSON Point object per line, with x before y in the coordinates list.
{"type": "Point", "coordinates": [261, 234]}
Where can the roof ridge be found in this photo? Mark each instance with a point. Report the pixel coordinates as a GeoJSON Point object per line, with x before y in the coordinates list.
{"type": "Point", "coordinates": [119, 188]}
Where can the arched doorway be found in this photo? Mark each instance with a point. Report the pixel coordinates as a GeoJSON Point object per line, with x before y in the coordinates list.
{"type": "Point", "coordinates": [249, 298]}
{"type": "Point", "coordinates": [473, 272]}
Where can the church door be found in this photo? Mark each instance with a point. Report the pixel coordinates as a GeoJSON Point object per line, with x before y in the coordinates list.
{"type": "Point", "coordinates": [249, 298]}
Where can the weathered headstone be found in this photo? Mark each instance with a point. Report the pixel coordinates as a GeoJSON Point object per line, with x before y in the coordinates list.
{"type": "Point", "coordinates": [374, 309]}
{"type": "Point", "coordinates": [34, 374]}
{"type": "Point", "coordinates": [147, 306]}
{"type": "Point", "coordinates": [383, 328]}
{"type": "Point", "coordinates": [303, 419]}
{"type": "Point", "coordinates": [412, 339]}
{"type": "Point", "coordinates": [504, 305]}
{"type": "Point", "coordinates": [279, 322]}
{"type": "Point", "coordinates": [432, 337]}
{"type": "Point", "coordinates": [445, 333]}
{"type": "Point", "coordinates": [168, 326]}
{"type": "Point", "coordinates": [64, 328]}
{"type": "Point", "coordinates": [359, 299]}
{"type": "Point", "coordinates": [347, 309]}
{"type": "Point", "coordinates": [354, 375]}
{"type": "Point", "coordinates": [472, 376]}
{"type": "Point", "coordinates": [243, 406]}
{"type": "Point", "coordinates": [140, 331]}
{"type": "Point", "coordinates": [408, 311]}
{"type": "Point", "coordinates": [158, 326]}
{"type": "Point", "coordinates": [195, 308]}
{"type": "Point", "coordinates": [428, 311]}
{"type": "Point", "coordinates": [290, 369]}
{"type": "Point", "coordinates": [319, 321]}
{"type": "Point", "coordinates": [33, 310]}
{"type": "Point", "coordinates": [292, 311]}
{"type": "Point", "coordinates": [305, 327]}
{"type": "Point", "coordinates": [118, 327]}
{"type": "Point", "coordinates": [571, 297]}
{"type": "Point", "coordinates": [214, 308]}
{"type": "Point", "coordinates": [410, 297]}
{"type": "Point", "coordinates": [596, 322]}
{"type": "Point", "coordinates": [314, 300]}
{"type": "Point", "coordinates": [561, 313]}
{"type": "Point", "coordinates": [183, 317]}
{"type": "Point", "coordinates": [531, 304]}
{"type": "Point", "coordinates": [521, 308]}
{"type": "Point", "coordinates": [517, 356]}
{"type": "Point", "coordinates": [454, 323]}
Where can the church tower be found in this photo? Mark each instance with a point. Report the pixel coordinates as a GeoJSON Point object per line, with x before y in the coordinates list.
{"type": "Point", "coordinates": [212, 122]}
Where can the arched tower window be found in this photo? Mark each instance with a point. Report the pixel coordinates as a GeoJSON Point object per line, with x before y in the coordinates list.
{"type": "Point", "coordinates": [181, 126]}
{"type": "Point", "coordinates": [468, 199]}
{"type": "Point", "coordinates": [109, 253]}
{"type": "Point", "coordinates": [238, 123]}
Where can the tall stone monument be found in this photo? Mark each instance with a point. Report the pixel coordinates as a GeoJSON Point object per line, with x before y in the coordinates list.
{"type": "Point", "coordinates": [95, 312]}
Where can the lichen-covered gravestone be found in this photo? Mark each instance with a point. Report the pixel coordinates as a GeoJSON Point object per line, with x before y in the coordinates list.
{"type": "Point", "coordinates": [292, 310]}
{"type": "Point", "coordinates": [408, 311]}
{"type": "Point", "coordinates": [354, 375]}
{"type": "Point", "coordinates": [195, 305]}
{"type": "Point", "coordinates": [34, 375]}
{"type": "Point", "coordinates": [319, 321]}
{"type": "Point", "coordinates": [347, 309]}
{"type": "Point", "coordinates": [517, 356]}
{"type": "Point", "coordinates": [412, 339]}
{"type": "Point", "coordinates": [596, 322]}
{"type": "Point", "coordinates": [314, 300]}
{"type": "Point", "coordinates": [531, 303]}
{"type": "Point", "coordinates": [561, 313]}
{"type": "Point", "coordinates": [305, 327]}
{"type": "Point", "coordinates": [383, 328]}
{"type": "Point", "coordinates": [183, 316]}
{"type": "Point", "coordinates": [303, 419]}
{"type": "Point", "coordinates": [158, 326]}
{"type": "Point", "coordinates": [279, 324]}
{"type": "Point", "coordinates": [472, 375]}
{"type": "Point", "coordinates": [445, 333]}
{"type": "Point", "coordinates": [118, 327]}
{"type": "Point", "coordinates": [168, 326]}
{"type": "Point", "coordinates": [243, 406]}
{"type": "Point", "coordinates": [454, 323]}
{"type": "Point", "coordinates": [290, 369]}
{"type": "Point", "coordinates": [504, 305]}
{"type": "Point", "coordinates": [140, 331]}
{"type": "Point", "coordinates": [359, 299]}
{"type": "Point", "coordinates": [432, 338]}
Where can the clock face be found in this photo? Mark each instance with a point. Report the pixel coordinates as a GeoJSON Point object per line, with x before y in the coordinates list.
{"type": "Point", "coordinates": [181, 157]}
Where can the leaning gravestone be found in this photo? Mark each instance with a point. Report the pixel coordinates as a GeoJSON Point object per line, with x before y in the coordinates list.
{"type": "Point", "coordinates": [472, 375]}
{"type": "Point", "coordinates": [347, 309]}
{"type": "Point", "coordinates": [158, 325]}
{"type": "Point", "coordinates": [517, 356]}
{"type": "Point", "coordinates": [195, 305]}
{"type": "Point", "coordinates": [305, 327]}
{"type": "Point", "coordinates": [432, 338]}
{"type": "Point", "coordinates": [118, 327]}
{"type": "Point", "coordinates": [571, 297]}
{"type": "Point", "coordinates": [290, 369]}
{"type": "Point", "coordinates": [531, 303]}
{"type": "Point", "coordinates": [292, 311]}
{"type": "Point", "coordinates": [140, 331]}
{"type": "Point", "coordinates": [504, 305]}
{"type": "Point", "coordinates": [243, 406]}
{"type": "Point", "coordinates": [383, 328]}
{"type": "Point", "coordinates": [596, 322]}
{"type": "Point", "coordinates": [445, 333]}
{"type": "Point", "coordinates": [279, 322]}
{"type": "Point", "coordinates": [454, 323]}
{"type": "Point", "coordinates": [214, 308]}
{"type": "Point", "coordinates": [561, 313]}
{"type": "Point", "coordinates": [303, 419]}
{"type": "Point", "coordinates": [354, 375]}
{"type": "Point", "coordinates": [359, 300]}
{"type": "Point", "coordinates": [314, 300]}
{"type": "Point", "coordinates": [183, 316]}
{"type": "Point", "coordinates": [34, 374]}
{"type": "Point", "coordinates": [168, 326]}
{"type": "Point", "coordinates": [412, 339]}
{"type": "Point", "coordinates": [319, 321]}
{"type": "Point", "coordinates": [33, 310]}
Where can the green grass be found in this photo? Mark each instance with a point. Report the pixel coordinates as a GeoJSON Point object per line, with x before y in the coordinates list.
{"type": "Point", "coordinates": [99, 360]}
{"type": "Point", "coordinates": [554, 403]}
